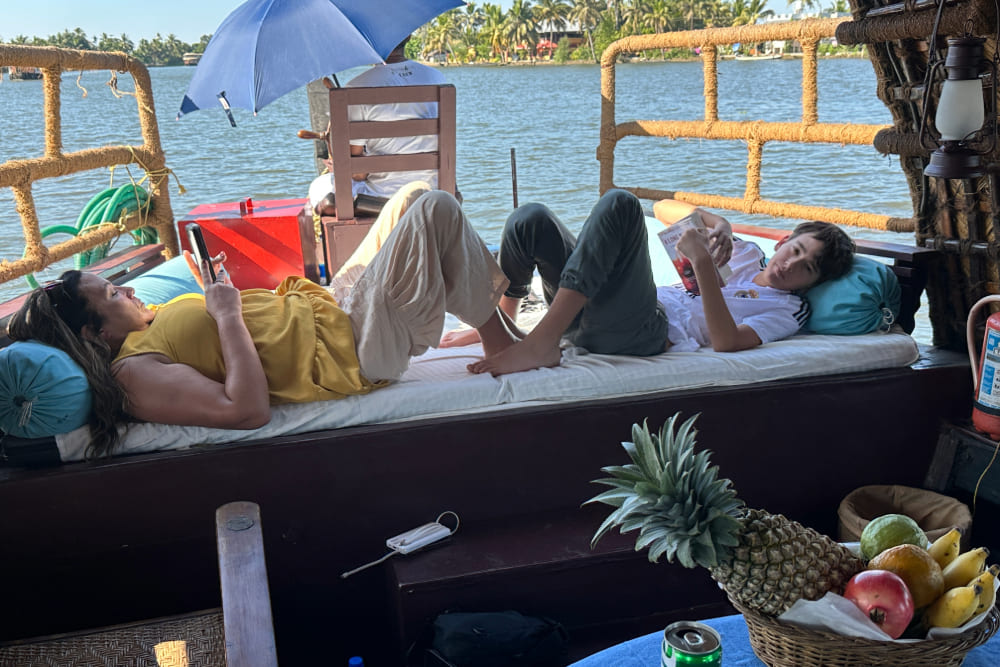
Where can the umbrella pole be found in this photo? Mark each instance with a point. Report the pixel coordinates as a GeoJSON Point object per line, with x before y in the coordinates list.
{"type": "Point", "coordinates": [513, 175]}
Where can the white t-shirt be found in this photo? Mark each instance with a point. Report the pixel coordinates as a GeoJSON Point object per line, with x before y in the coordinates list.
{"type": "Point", "coordinates": [385, 184]}
{"type": "Point", "coordinates": [773, 314]}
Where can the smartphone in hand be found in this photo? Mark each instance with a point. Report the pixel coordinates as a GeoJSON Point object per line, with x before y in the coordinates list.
{"type": "Point", "coordinates": [199, 249]}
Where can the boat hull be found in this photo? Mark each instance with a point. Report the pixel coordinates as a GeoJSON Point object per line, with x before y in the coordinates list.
{"type": "Point", "coordinates": [93, 544]}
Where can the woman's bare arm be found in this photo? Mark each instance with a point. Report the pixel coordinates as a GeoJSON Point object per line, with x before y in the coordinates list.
{"type": "Point", "coordinates": [170, 393]}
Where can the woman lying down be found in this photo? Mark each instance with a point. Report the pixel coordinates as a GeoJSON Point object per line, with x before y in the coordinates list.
{"type": "Point", "coordinates": [223, 359]}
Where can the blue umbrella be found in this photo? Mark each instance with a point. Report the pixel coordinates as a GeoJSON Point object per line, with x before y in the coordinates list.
{"type": "Point", "coordinates": [266, 48]}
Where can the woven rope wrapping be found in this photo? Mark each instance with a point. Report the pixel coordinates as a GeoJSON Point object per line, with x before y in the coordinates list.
{"type": "Point", "coordinates": [756, 134]}
{"type": "Point", "coordinates": [19, 175]}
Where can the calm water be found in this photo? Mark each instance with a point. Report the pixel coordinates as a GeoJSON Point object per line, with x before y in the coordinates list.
{"type": "Point", "coordinates": [550, 115]}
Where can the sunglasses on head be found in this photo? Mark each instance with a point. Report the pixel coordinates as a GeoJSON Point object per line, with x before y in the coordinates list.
{"type": "Point", "coordinates": [55, 291]}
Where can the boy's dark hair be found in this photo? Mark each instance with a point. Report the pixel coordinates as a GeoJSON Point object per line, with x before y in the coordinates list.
{"type": "Point", "coordinates": [837, 256]}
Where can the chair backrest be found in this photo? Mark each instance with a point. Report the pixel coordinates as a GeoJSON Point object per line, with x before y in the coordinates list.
{"type": "Point", "coordinates": [342, 130]}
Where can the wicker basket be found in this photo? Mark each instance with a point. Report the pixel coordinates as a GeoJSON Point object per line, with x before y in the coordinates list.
{"type": "Point", "coordinates": [782, 645]}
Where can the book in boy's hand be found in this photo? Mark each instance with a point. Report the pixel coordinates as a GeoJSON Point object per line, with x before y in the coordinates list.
{"type": "Point", "coordinates": [669, 238]}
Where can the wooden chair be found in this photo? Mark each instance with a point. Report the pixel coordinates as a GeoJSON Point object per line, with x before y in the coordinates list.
{"type": "Point", "coordinates": [342, 234]}
{"type": "Point", "coordinates": [241, 633]}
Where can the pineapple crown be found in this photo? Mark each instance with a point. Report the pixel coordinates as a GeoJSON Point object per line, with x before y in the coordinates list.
{"type": "Point", "coordinates": [672, 497]}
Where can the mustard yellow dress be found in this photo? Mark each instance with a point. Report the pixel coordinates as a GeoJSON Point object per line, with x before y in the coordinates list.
{"type": "Point", "coordinates": [304, 340]}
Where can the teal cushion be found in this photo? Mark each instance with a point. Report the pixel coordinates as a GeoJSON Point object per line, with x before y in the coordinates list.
{"type": "Point", "coordinates": [864, 300]}
{"type": "Point", "coordinates": [162, 283]}
{"type": "Point", "coordinates": [42, 391]}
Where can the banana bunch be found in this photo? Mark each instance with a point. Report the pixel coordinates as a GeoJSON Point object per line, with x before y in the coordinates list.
{"type": "Point", "coordinates": [968, 583]}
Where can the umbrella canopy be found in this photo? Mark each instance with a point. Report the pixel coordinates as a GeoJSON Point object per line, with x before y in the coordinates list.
{"type": "Point", "coordinates": [266, 48]}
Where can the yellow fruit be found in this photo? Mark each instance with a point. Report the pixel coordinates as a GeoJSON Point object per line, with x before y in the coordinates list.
{"type": "Point", "coordinates": [914, 566]}
{"type": "Point", "coordinates": [965, 568]}
{"type": "Point", "coordinates": [989, 595]}
{"type": "Point", "coordinates": [954, 607]}
{"type": "Point", "coordinates": [947, 547]}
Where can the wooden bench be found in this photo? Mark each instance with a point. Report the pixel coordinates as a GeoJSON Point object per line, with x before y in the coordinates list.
{"type": "Point", "coordinates": [342, 233]}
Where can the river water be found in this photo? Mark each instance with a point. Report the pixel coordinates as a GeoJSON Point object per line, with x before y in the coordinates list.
{"type": "Point", "coordinates": [549, 114]}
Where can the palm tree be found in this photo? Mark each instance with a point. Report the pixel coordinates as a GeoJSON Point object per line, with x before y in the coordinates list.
{"type": "Point", "coordinates": [634, 15]}
{"type": "Point", "coordinates": [806, 4]}
{"type": "Point", "coordinates": [522, 27]}
{"type": "Point", "coordinates": [587, 13]}
{"type": "Point", "coordinates": [469, 22]}
{"type": "Point", "coordinates": [658, 18]}
{"type": "Point", "coordinates": [71, 39]}
{"type": "Point", "coordinates": [122, 43]}
{"type": "Point", "coordinates": [746, 12]}
{"type": "Point", "coordinates": [440, 33]}
{"type": "Point", "coordinates": [494, 29]}
{"type": "Point", "coordinates": [553, 12]}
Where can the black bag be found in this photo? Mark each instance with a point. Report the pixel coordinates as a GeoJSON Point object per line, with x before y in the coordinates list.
{"type": "Point", "coordinates": [369, 205]}
{"type": "Point", "coordinates": [498, 639]}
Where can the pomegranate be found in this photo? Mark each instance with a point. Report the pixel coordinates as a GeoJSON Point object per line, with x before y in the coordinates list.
{"type": "Point", "coordinates": [884, 598]}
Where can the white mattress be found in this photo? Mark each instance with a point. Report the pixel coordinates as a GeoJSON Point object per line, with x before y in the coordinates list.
{"type": "Point", "coordinates": [437, 384]}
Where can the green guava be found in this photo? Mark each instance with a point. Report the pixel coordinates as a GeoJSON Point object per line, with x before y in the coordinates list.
{"type": "Point", "coordinates": [890, 530]}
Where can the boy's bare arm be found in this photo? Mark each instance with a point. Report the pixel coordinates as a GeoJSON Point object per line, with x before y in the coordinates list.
{"type": "Point", "coordinates": [724, 333]}
{"type": "Point", "coordinates": [669, 211]}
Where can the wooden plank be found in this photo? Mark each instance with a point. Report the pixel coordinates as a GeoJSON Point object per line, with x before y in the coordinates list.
{"type": "Point", "coordinates": [365, 129]}
{"type": "Point", "coordinates": [407, 162]}
{"type": "Point", "coordinates": [391, 94]}
{"type": "Point", "coordinates": [246, 602]}
{"type": "Point", "coordinates": [939, 471]}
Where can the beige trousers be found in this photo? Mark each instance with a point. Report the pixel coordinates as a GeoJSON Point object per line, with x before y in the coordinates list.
{"type": "Point", "coordinates": [420, 260]}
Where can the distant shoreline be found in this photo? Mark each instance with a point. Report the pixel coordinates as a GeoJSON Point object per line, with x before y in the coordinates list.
{"type": "Point", "coordinates": [548, 63]}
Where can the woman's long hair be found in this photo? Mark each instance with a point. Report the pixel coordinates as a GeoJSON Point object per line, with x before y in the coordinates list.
{"type": "Point", "coordinates": [55, 315]}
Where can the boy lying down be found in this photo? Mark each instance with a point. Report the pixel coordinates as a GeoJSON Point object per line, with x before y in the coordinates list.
{"type": "Point", "coordinates": [602, 297]}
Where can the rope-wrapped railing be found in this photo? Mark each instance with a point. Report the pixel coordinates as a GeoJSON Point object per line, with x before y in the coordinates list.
{"type": "Point", "coordinates": [756, 134]}
{"type": "Point", "coordinates": [20, 175]}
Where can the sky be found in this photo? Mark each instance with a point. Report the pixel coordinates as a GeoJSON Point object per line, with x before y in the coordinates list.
{"type": "Point", "coordinates": [188, 20]}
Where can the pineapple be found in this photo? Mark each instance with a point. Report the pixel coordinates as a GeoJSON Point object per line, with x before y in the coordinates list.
{"type": "Point", "coordinates": [764, 562]}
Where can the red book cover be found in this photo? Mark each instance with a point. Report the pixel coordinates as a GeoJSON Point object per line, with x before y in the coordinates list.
{"type": "Point", "coordinates": [669, 238]}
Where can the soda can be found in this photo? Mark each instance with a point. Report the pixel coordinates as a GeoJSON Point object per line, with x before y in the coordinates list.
{"type": "Point", "coordinates": [690, 643]}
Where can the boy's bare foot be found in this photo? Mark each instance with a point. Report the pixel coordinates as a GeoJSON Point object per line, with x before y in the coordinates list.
{"type": "Point", "coordinates": [522, 356]}
{"type": "Point", "coordinates": [459, 338]}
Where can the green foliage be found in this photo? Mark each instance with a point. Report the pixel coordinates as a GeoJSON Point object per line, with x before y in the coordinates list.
{"type": "Point", "coordinates": [413, 48]}
{"type": "Point", "coordinates": [562, 52]}
{"type": "Point", "coordinates": [828, 49]}
{"type": "Point", "coordinates": [478, 32]}
{"type": "Point", "coordinates": [157, 51]}
{"type": "Point", "coordinates": [605, 34]}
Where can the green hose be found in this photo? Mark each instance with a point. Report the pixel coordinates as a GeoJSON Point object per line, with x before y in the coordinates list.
{"type": "Point", "coordinates": [49, 231]}
{"type": "Point", "coordinates": [108, 206]}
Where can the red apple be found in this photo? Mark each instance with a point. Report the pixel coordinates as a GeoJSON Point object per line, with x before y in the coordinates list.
{"type": "Point", "coordinates": [884, 597]}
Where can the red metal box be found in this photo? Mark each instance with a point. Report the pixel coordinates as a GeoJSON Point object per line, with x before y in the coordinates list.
{"type": "Point", "coordinates": [264, 241]}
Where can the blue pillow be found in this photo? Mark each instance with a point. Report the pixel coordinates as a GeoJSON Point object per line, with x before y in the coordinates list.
{"type": "Point", "coordinates": [864, 300]}
{"type": "Point", "coordinates": [164, 282]}
{"type": "Point", "coordinates": [42, 391]}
